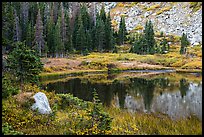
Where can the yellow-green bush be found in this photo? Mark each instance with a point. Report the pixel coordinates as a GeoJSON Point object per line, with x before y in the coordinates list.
{"type": "Point", "coordinates": [164, 9]}
{"type": "Point", "coordinates": [47, 69]}
{"type": "Point", "coordinates": [120, 4]}
{"type": "Point", "coordinates": [153, 7]}
{"type": "Point", "coordinates": [139, 27]}
{"type": "Point", "coordinates": [193, 65]}
{"type": "Point", "coordinates": [179, 63]}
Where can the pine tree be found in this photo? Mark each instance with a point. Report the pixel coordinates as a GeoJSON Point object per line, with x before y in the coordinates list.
{"type": "Point", "coordinates": [39, 41]}
{"type": "Point", "coordinates": [184, 44]}
{"type": "Point", "coordinates": [63, 25]}
{"type": "Point", "coordinates": [29, 36]}
{"type": "Point", "coordinates": [149, 38]}
{"type": "Point", "coordinates": [164, 46]}
{"type": "Point", "coordinates": [100, 34]}
{"type": "Point", "coordinates": [85, 17]}
{"type": "Point", "coordinates": [76, 27]}
{"type": "Point", "coordinates": [80, 35]}
{"type": "Point", "coordinates": [24, 64]}
{"type": "Point", "coordinates": [122, 31]}
{"type": "Point", "coordinates": [24, 19]}
{"type": "Point", "coordinates": [33, 11]}
{"type": "Point", "coordinates": [17, 30]}
{"type": "Point", "coordinates": [108, 33]}
{"type": "Point", "coordinates": [50, 34]}
{"type": "Point", "coordinates": [103, 14]}
{"type": "Point", "coordinates": [58, 39]}
{"type": "Point", "coordinates": [68, 40]}
{"type": "Point", "coordinates": [138, 46]}
{"type": "Point", "coordinates": [93, 12]}
{"type": "Point", "coordinates": [8, 25]}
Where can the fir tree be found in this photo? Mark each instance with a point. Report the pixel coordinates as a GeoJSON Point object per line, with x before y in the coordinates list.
{"type": "Point", "coordinates": [50, 35]}
{"type": "Point", "coordinates": [108, 33]}
{"type": "Point", "coordinates": [149, 38]}
{"type": "Point", "coordinates": [24, 64]}
{"type": "Point", "coordinates": [68, 40]}
{"type": "Point", "coordinates": [39, 41]}
{"type": "Point", "coordinates": [103, 14]}
{"type": "Point", "coordinates": [24, 19]}
{"type": "Point", "coordinates": [100, 34]}
{"type": "Point", "coordinates": [80, 35]}
{"type": "Point", "coordinates": [17, 30]}
{"type": "Point", "coordinates": [58, 39]}
{"type": "Point", "coordinates": [122, 31]}
{"type": "Point", "coordinates": [8, 25]}
{"type": "Point", "coordinates": [29, 37]}
{"type": "Point", "coordinates": [184, 44]}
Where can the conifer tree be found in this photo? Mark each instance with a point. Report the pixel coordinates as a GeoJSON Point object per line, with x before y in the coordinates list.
{"type": "Point", "coordinates": [24, 64]}
{"type": "Point", "coordinates": [39, 41]}
{"type": "Point", "coordinates": [80, 35]}
{"type": "Point", "coordinates": [50, 34]}
{"type": "Point", "coordinates": [30, 35]}
{"type": "Point", "coordinates": [17, 30]}
{"type": "Point", "coordinates": [103, 14]}
{"type": "Point", "coordinates": [108, 33]}
{"type": "Point", "coordinates": [24, 19]}
{"type": "Point", "coordinates": [184, 43]}
{"type": "Point", "coordinates": [76, 27]}
{"type": "Point", "coordinates": [122, 31]}
{"type": "Point", "coordinates": [58, 38]}
{"type": "Point", "coordinates": [100, 34]}
{"type": "Point", "coordinates": [8, 24]}
{"type": "Point", "coordinates": [149, 38]}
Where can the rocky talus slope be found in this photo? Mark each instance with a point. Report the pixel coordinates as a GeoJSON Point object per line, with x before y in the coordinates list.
{"type": "Point", "coordinates": [171, 18]}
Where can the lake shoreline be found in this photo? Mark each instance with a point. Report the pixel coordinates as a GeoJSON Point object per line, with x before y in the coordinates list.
{"type": "Point", "coordinates": [82, 72]}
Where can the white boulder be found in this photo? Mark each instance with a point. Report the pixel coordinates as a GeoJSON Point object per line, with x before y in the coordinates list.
{"type": "Point", "coordinates": [41, 103]}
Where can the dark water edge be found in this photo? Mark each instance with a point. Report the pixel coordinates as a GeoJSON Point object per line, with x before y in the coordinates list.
{"type": "Point", "coordinates": [177, 97]}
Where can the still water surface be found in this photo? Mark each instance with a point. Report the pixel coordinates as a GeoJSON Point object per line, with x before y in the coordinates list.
{"type": "Point", "coordinates": [177, 95]}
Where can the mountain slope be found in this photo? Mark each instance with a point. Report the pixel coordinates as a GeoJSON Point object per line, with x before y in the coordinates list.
{"type": "Point", "coordinates": [171, 18]}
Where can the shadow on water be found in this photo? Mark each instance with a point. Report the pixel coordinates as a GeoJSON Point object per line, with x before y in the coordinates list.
{"type": "Point", "coordinates": [177, 97]}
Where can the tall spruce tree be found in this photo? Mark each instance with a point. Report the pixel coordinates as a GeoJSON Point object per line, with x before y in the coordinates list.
{"type": "Point", "coordinates": [39, 41]}
{"type": "Point", "coordinates": [122, 31]}
{"type": "Point", "coordinates": [50, 34]}
{"type": "Point", "coordinates": [100, 34]}
{"type": "Point", "coordinates": [80, 35]}
{"type": "Point", "coordinates": [24, 64]}
{"type": "Point", "coordinates": [149, 38]}
{"type": "Point", "coordinates": [8, 25]}
{"type": "Point", "coordinates": [108, 34]}
{"type": "Point", "coordinates": [68, 40]}
{"type": "Point", "coordinates": [17, 30]}
{"type": "Point", "coordinates": [103, 14]}
{"type": "Point", "coordinates": [24, 19]}
{"type": "Point", "coordinates": [58, 39]}
{"type": "Point", "coordinates": [30, 35]}
{"type": "Point", "coordinates": [184, 44]}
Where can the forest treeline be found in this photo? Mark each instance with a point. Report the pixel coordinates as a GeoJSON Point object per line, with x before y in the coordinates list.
{"type": "Point", "coordinates": [55, 29]}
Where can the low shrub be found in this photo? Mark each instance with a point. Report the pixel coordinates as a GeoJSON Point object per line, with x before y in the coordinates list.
{"type": "Point", "coordinates": [47, 69]}
{"type": "Point", "coordinates": [8, 130]}
{"type": "Point", "coordinates": [8, 87]}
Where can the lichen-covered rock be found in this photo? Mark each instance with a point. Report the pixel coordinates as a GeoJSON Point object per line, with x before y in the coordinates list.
{"type": "Point", "coordinates": [41, 103]}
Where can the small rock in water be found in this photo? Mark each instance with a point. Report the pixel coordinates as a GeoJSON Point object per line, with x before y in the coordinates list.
{"type": "Point", "coordinates": [41, 103]}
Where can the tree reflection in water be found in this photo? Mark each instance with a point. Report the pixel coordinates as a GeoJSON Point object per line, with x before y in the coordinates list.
{"type": "Point", "coordinates": [140, 94]}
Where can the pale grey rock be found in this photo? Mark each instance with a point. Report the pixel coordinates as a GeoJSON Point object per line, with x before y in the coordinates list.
{"type": "Point", "coordinates": [41, 103]}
